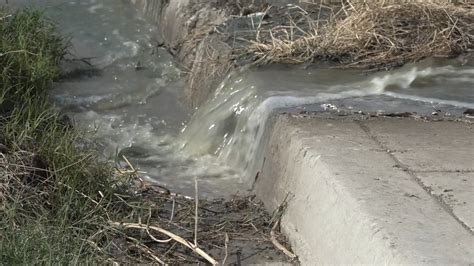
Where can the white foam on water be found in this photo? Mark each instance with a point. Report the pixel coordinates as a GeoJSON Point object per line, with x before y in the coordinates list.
{"type": "Point", "coordinates": [433, 101]}
{"type": "Point", "coordinates": [93, 9]}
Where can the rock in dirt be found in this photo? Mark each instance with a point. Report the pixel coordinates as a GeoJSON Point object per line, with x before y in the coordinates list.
{"type": "Point", "coordinates": [3, 149]}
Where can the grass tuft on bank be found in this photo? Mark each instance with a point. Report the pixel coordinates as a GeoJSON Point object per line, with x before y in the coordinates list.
{"type": "Point", "coordinates": [370, 34]}
{"type": "Point", "coordinates": [52, 184]}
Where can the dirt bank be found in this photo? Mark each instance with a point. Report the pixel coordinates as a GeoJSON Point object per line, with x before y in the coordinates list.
{"type": "Point", "coordinates": [204, 36]}
{"type": "Point", "coordinates": [186, 31]}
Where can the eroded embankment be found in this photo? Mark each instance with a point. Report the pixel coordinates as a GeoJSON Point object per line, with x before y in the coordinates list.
{"type": "Point", "coordinates": [211, 38]}
{"type": "Point", "coordinates": [185, 28]}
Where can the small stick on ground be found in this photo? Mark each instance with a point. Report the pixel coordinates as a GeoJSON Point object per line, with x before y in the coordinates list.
{"type": "Point", "coordinates": [277, 221]}
{"type": "Point", "coordinates": [146, 250]}
{"type": "Point", "coordinates": [196, 212]}
{"type": "Point", "coordinates": [175, 237]}
{"type": "Point", "coordinates": [226, 243]}
{"type": "Point", "coordinates": [278, 245]}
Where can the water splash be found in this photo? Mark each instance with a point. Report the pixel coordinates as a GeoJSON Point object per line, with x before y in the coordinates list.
{"type": "Point", "coordinates": [232, 124]}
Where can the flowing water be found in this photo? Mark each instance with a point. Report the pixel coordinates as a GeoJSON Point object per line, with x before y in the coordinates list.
{"type": "Point", "coordinates": [126, 90]}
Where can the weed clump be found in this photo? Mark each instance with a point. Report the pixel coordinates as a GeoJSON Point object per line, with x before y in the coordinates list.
{"type": "Point", "coordinates": [30, 51]}
{"type": "Point", "coordinates": [372, 34]}
{"type": "Point", "coordinates": [49, 178]}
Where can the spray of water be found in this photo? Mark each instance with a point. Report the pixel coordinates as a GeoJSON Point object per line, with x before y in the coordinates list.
{"type": "Point", "coordinates": [232, 124]}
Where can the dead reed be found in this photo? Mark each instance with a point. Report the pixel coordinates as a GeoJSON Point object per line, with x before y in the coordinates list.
{"type": "Point", "coordinates": [370, 34]}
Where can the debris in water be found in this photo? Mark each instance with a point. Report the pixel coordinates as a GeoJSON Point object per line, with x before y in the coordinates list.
{"type": "Point", "coordinates": [328, 106]}
{"type": "Point", "coordinates": [469, 113]}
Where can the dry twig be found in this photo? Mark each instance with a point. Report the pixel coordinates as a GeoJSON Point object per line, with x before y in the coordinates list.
{"type": "Point", "coordinates": [171, 235]}
{"type": "Point", "coordinates": [277, 244]}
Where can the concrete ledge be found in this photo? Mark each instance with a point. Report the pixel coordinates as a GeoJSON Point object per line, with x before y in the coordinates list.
{"type": "Point", "coordinates": [360, 193]}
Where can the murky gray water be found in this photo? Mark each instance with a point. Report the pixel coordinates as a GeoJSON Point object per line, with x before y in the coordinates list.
{"type": "Point", "coordinates": [128, 93]}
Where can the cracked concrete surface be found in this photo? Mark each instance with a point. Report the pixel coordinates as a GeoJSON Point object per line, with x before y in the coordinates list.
{"type": "Point", "coordinates": [373, 190]}
{"type": "Point", "coordinates": [442, 163]}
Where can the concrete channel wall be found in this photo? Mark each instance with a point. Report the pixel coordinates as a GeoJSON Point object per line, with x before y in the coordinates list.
{"type": "Point", "coordinates": [373, 191]}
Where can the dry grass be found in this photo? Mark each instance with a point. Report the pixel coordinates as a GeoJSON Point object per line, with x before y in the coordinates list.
{"type": "Point", "coordinates": [371, 34]}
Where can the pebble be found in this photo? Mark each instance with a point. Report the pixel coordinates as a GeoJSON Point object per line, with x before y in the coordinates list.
{"type": "Point", "coordinates": [3, 149]}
